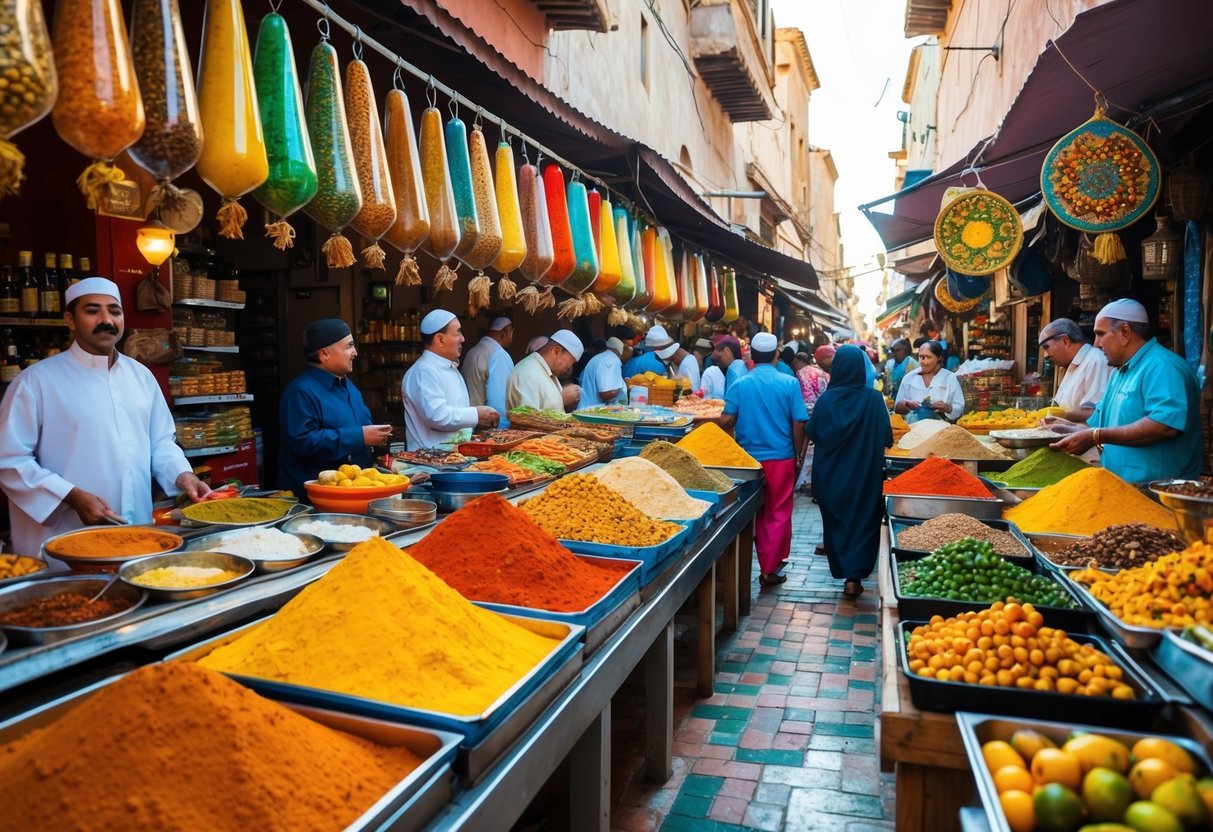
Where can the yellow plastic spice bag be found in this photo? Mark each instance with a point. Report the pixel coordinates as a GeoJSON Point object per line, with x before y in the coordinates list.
{"type": "Point", "coordinates": [378, 210]}
{"type": "Point", "coordinates": [28, 55]}
{"type": "Point", "coordinates": [488, 244]}
{"type": "Point", "coordinates": [509, 214]}
{"type": "Point", "coordinates": [412, 224]}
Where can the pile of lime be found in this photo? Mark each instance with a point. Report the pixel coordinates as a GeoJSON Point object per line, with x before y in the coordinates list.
{"type": "Point", "coordinates": [970, 570]}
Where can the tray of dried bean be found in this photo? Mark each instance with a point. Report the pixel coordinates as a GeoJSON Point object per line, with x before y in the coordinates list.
{"type": "Point", "coordinates": [1117, 547]}
{"type": "Point", "coordinates": [1119, 694]}
{"type": "Point", "coordinates": [925, 536]}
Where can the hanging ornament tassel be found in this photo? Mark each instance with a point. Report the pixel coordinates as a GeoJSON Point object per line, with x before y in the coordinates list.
{"type": "Point", "coordinates": [1109, 249]}
{"type": "Point", "coordinates": [232, 217]}
{"type": "Point", "coordinates": [408, 274]}
{"type": "Point", "coordinates": [338, 253]}
{"type": "Point", "coordinates": [282, 233]}
{"type": "Point", "coordinates": [373, 255]}
{"type": "Point", "coordinates": [506, 288]}
{"type": "Point", "coordinates": [168, 196]}
{"type": "Point", "coordinates": [592, 305]}
{"type": "Point", "coordinates": [617, 317]}
{"type": "Point", "coordinates": [480, 290]}
{"type": "Point", "coordinates": [444, 281]}
{"type": "Point", "coordinates": [547, 300]}
{"type": "Point", "coordinates": [12, 168]}
{"type": "Point", "coordinates": [571, 308]}
{"type": "Point", "coordinates": [528, 299]}
{"type": "Point", "coordinates": [97, 181]}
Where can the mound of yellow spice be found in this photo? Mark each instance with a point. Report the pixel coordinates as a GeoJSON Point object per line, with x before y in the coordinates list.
{"type": "Point", "coordinates": [712, 446]}
{"type": "Point", "coordinates": [175, 746]}
{"type": "Point", "coordinates": [1086, 503]}
{"type": "Point", "coordinates": [382, 626]}
{"type": "Point", "coordinates": [579, 507]}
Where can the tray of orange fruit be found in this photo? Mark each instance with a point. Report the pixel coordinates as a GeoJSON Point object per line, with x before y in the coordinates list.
{"type": "Point", "coordinates": [1063, 777]}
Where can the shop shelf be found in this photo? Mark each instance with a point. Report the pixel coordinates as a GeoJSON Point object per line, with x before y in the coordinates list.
{"type": "Point", "coordinates": [212, 304]}
{"type": "Point", "coordinates": [229, 350]}
{"type": "Point", "coordinates": [224, 398]}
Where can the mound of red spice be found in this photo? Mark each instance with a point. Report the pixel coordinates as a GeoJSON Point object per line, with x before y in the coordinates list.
{"type": "Point", "coordinates": [492, 551]}
{"type": "Point", "coordinates": [938, 477]}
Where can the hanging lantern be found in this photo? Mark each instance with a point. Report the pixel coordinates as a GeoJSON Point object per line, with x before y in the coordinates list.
{"type": "Point", "coordinates": [1161, 252]}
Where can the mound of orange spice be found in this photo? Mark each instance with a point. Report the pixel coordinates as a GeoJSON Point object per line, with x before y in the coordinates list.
{"type": "Point", "coordinates": [1007, 645]}
{"type": "Point", "coordinates": [491, 551]}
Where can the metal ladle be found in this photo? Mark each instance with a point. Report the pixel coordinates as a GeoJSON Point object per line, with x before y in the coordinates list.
{"type": "Point", "coordinates": [113, 580]}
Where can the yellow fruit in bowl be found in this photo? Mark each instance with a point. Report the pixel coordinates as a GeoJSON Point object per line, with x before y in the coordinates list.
{"type": "Point", "coordinates": [1096, 750]}
{"type": "Point", "coordinates": [1027, 742]}
{"type": "Point", "coordinates": [345, 482]}
{"type": "Point", "coordinates": [997, 754]}
{"type": "Point", "coordinates": [1018, 809]}
{"type": "Point", "coordinates": [349, 471]}
{"type": "Point", "coordinates": [1149, 774]}
{"type": "Point", "coordinates": [1012, 777]}
{"type": "Point", "coordinates": [1147, 816]}
{"type": "Point", "coordinates": [1107, 794]}
{"type": "Point", "coordinates": [1157, 748]}
{"type": "Point", "coordinates": [1058, 809]}
{"type": "Point", "coordinates": [1180, 796]}
{"type": "Point", "coordinates": [1052, 765]}
{"type": "Point", "coordinates": [1204, 787]}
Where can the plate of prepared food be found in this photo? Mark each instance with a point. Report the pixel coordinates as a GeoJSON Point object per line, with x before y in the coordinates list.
{"type": "Point", "coordinates": [568, 451]}
{"type": "Point", "coordinates": [440, 458]}
{"type": "Point", "coordinates": [495, 441]}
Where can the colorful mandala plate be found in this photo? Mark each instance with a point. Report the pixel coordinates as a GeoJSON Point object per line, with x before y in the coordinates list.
{"type": "Point", "coordinates": [955, 305]}
{"type": "Point", "coordinates": [978, 233]}
{"type": "Point", "coordinates": [1100, 177]}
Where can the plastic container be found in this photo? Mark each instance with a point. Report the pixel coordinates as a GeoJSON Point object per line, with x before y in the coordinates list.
{"type": "Point", "coordinates": [625, 289]}
{"type": "Point", "coordinates": [172, 136]}
{"type": "Point", "coordinates": [459, 163]}
{"type": "Point", "coordinates": [610, 267]}
{"type": "Point", "coordinates": [28, 53]}
{"type": "Point", "coordinates": [585, 268]}
{"type": "Point", "coordinates": [439, 194]}
{"type": "Point", "coordinates": [338, 196]}
{"type": "Point", "coordinates": [412, 224]}
{"type": "Point", "coordinates": [509, 213]}
{"type": "Point", "coordinates": [556, 198]}
{"type": "Point", "coordinates": [729, 292]}
{"type": "Point", "coordinates": [488, 244]}
{"type": "Point", "coordinates": [378, 210]}
{"type": "Point", "coordinates": [537, 231]}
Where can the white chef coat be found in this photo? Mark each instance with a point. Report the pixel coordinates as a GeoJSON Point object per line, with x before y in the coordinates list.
{"type": "Point", "coordinates": [486, 369]}
{"type": "Point", "coordinates": [689, 367]}
{"type": "Point", "coordinates": [532, 383]}
{"type": "Point", "coordinates": [1085, 380]}
{"type": "Point", "coordinates": [602, 373]}
{"type": "Point", "coordinates": [945, 387]}
{"type": "Point", "coordinates": [436, 407]}
{"type": "Point", "coordinates": [712, 383]}
{"type": "Point", "coordinates": [72, 420]}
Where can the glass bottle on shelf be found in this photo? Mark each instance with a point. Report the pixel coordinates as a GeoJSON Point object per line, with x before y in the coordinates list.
{"type": "Point", "coordinates": [48, 291]}
{"type": "Point", "coordinates": [67, 276]}
{"type": "Point", "coordinates": [11, 360]}
{"type": "Point", "coordinates": [29, 284]}
{"type": "Point", "coordinates": [85, 266]}
{"type": "Point", "coordinates": [10, 293]}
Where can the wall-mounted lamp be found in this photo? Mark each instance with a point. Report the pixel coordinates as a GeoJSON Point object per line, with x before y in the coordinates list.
{"type": "Point", "coordinates": [156, 242]}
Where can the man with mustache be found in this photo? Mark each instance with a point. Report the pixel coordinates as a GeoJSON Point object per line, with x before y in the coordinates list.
{"type": "Point", "coordinates": [85, 431]}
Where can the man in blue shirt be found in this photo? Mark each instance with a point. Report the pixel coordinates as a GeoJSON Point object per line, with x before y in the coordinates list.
{"type": "Point", "coordinates": [658, 346]}
{"type": "Point", "coordinates": [766, 410]}
{"type": "Point", "coordinates": [602, 378]}
{"type": "Point", "coordinates": [1147, 425]}
{"type": "Point", "coordinates": [727, 356]}
{"type": "Point", "coordinates": [324, 421]}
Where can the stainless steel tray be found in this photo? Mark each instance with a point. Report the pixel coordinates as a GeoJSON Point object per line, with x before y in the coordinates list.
{"type": "Point", "coordinates": [976, 729]}
{"type": "Point", "coordinates": [292, 511]}
{"type": "Point", "coordinates": [427, 788]}
{"type": "Point", "coordinates": [90, 585]}
{"type": "Point", "coordinates": [1047, 543]}
{"type": "Point", "coordinates": [743, 474]}
{"type": "Point", "coordinates": [209, 542]}
{"type": "Point", "coordinates": [924, 507]}
{"type": "Point", "coordinates": [898, 525]}
{"type": "Point", "coordinates": [1129, 635]}
{"type": "Point", "coordinates": [1189, 665]}
{"type": "Point", "coordinates": [104, 564]}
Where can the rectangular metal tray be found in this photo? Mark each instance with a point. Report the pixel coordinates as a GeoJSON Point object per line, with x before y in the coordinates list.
{"type": "Point", "coordinates": [411, 803]}
{"type": "Point", "coordinates": [1078, 619]}
{"type": "Point", "coordinates": [925, 506]}
{"type": "Point", "coordinates": [899, 524]}
{"type": "Point", "coordinates": [651, 557]}
{"type": "Point", "coordinates": [1130, 635]}
{"type": "Point", "coordinates": [600, 619]}
{"type": "Point", "coordinates": [1045, 541]}
{"type": "Point", "coordinates": [741, 474]}
{"type": "Point", "coordinates": [948, 697]}
{"type": "Point", "coordinates": [978, 729]}
{"type": "Point", "coordinates": [644, 432]}
{"type": "Point", "coordinates": [1189, 665]}
{"type": "Point", "coordinates": [494, 729]}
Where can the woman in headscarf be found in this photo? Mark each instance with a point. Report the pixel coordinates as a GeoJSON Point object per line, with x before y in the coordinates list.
{"type": "Point", "coordinates": [850, 431]}
{"type": "Point", "coordinates": [813, 382]}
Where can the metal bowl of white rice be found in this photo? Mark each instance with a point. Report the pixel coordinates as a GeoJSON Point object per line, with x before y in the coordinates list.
{"type": "Point", "coordinates": [270, 549]}
{"type": "Point", "coordinates": [341, 532]}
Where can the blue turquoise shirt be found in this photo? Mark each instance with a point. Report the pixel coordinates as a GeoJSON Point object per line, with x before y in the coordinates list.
{"type": "Point", "coordinates": [645, 362]}
{"type": "Point", "coordinates": [322, 417]}
{"type": "Point", "coordinates": [1159, 384]}
{"type": "Point", "coordinates": [737, 370]}
{"type": "Point", "coordinates": [772, 403]}
{"type": "Point", "coordinates": [785, 368]}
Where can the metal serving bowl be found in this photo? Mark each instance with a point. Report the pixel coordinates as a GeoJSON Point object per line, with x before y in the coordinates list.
{"type": "Point", "coordinates": [214, 543]}
{"type": "Point", "coordinates": [377, 524]}
{"type": "Point", "coordinates": [1025, 437]}
{"type": "Point", "coordinates": [130, 572]}
{"type": "Point", "coordinates": [455, 500]}
{"type": "Point", "coordinates": [468, 482]}
{"type": "Point", "coordinates": [88, 585]}
{"type": "Point", "coordinates": [1193, 515]}
{"type": "Point", "coordinates": [410, 512]}
{"type": "Point", "coordinates": [109, 563]}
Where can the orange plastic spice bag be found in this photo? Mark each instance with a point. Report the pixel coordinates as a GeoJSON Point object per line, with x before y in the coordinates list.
{"type": "Point", "coordinates": [378, 210]}
{"type": "Point", "coordinates": [439, 195]}
{"type": "Point", "coordinates": [412, 224]}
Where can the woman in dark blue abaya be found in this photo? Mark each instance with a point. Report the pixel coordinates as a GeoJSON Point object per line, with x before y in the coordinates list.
{"type": "Point", "coordinates": [850, 431]}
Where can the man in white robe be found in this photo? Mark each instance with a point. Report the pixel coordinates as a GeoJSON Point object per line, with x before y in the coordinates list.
{"type": "Point", "coordinates": [85, 431]}
{"type": "Point", "coordinates": [487, 366]}
{"type": "Point", "coordinates": [436, 406]}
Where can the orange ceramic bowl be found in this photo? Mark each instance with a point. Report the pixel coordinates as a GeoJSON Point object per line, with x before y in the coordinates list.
{"type": "Point", "coordinates": [354, 500]}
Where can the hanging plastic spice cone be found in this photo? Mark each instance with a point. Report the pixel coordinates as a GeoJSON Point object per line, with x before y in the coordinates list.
{"type": "Point", "coordinates": [412, 224]}
{"type": "Point", "coordinates": [378, 210]}
{"type": "Point", "coordinates": [292, 180]}
{"type": "Point", "coordinates": [556, 198]}
{"type": "Point", "coordinates": [488, 244]}
{"type": "Point", "coordinates": [715, 296]}
{"type": "Point", "coordinates": [233, 160]}
{"type": "Point", "coordinates": [625, 289]}
{"type": "Point", "coordinates": [538, 233]}
{"type": "Point", "coordinates": [338, 196]}
{"type": "Point", "coordinates": [509, 213]}
{"type": "Point", "coordinates": [644, 250]}
{"type": "Point", "coordinates": [702, 297]}
{"type": "Point", "coordinates": [459, 163]}
{"type": "Point", "coordinates": [610, 271]}
{"type": "Point", "coordinates": [30, 56]}
{"type": "Point", "coordinates": [99, 111]}
{"type": "Point", "coordinates": [439, 195]}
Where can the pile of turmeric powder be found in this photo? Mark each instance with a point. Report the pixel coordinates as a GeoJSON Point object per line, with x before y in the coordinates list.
{"type": "Point", "coordinates": [1086, 503]}
{"type": "Point", "coordinates": [175, 746]}
{"type": "Point", "coordinates": [579, 507]}
{"type": "Point", "coordinates": [712, 446]}
{"type": "Point", "coordinates": [382, 626]}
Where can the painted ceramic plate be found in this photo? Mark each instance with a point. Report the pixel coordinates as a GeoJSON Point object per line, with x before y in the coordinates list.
{"type": "Point", "coordinates": [1100, 177]}
{"type": "Point", "coordinates": [978, 233]}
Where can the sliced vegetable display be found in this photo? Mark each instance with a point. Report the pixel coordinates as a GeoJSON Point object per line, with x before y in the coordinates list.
{"type": "Point", "coordinates": [459, 163]}
{"type": "Point", "coordinates": [509, 212]}
{"type": "Point", "coordinates": [28, 54]}
{"type": "Point", "coordinates": [99, 111]}
{"type": "Point", "coordinates": [439, 195]}
{"type": "Point", "coordinates": [378, 210]}
{"type": "Point", "coordinates": [233, 160]}
{"type": "Point", "coordinates": [488, 245]}
{"type": "Point", "coordinates": [412, 224]}
{"type": "Point", "coordinates": [564, 255]}
{"type": "Point", "coordinates": [292, 180]}
{"type": "Point", "coordinates": [338, 197]}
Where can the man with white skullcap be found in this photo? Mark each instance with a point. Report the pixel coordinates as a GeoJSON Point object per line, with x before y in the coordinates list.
{"type": "Point", "coordinates": [659, 347]}
{"type": "Point", "coordinates": [86, 430]}
{"type": "Point", "coordinates": [436, 405]}
{"type": "Point", "coordinates": [766, 411]}
{"type": "Point", "coordinates": [487, 366]}
{"type": "Point", "coordinates": [535, 382]}
{"type": "Point", "coordinates": [1147, 425]}
{"type": "Point", "coordinates": [602, 378]}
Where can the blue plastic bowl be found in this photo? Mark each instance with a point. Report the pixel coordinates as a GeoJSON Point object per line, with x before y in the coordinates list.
{"type": "Point", "coordinates": [466, 482]}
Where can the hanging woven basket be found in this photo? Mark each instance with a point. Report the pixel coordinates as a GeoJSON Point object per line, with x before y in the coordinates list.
{"type": "Point", "coordinates": [1089, 270]}
{"type": "Point", "coordinates": [1188, 193]}
{"type": "Point", "coordinates": [1099, 178]}
{"type": "Point", "coordinates": [978, 233]}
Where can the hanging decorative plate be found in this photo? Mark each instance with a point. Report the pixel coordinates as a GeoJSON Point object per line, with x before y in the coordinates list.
{"type": "Point", "coordinates": [1100, 177]}
{"type": "Point", "coordinates": [978, 233]}
{"type": "Point", "coordinates": [953, 305]}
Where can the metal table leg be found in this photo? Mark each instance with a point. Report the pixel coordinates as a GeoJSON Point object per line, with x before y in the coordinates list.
{"type": "Point", "coordinates": [707, 634]}
{"type": "Point", "coordinates": [659, 707]}
{"type": "Point", "coordinates": [590, 776]}
{"type": "Point", "coordinates": [729, 585]}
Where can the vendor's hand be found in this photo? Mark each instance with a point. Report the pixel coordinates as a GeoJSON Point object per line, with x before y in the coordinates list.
{"type": "Point", "coordinates": [1077, 443]}
{"type": "Point", "coordinates": [1059, 425]}
{"type": "Point", "coordinates": [486, 417]}
{"type": "Point", "coordinates": [90, 508]}
{"type": "Point", "coordinates": [373, 435]}
{"type": "Point", "coordinates": [570, 394]}
{"type": "Point", "coordinates": [909, 405]}
{"type": "Point", "coordinates": [942, 407]}
{"type": "Point", "coordinates": [191, 486]}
